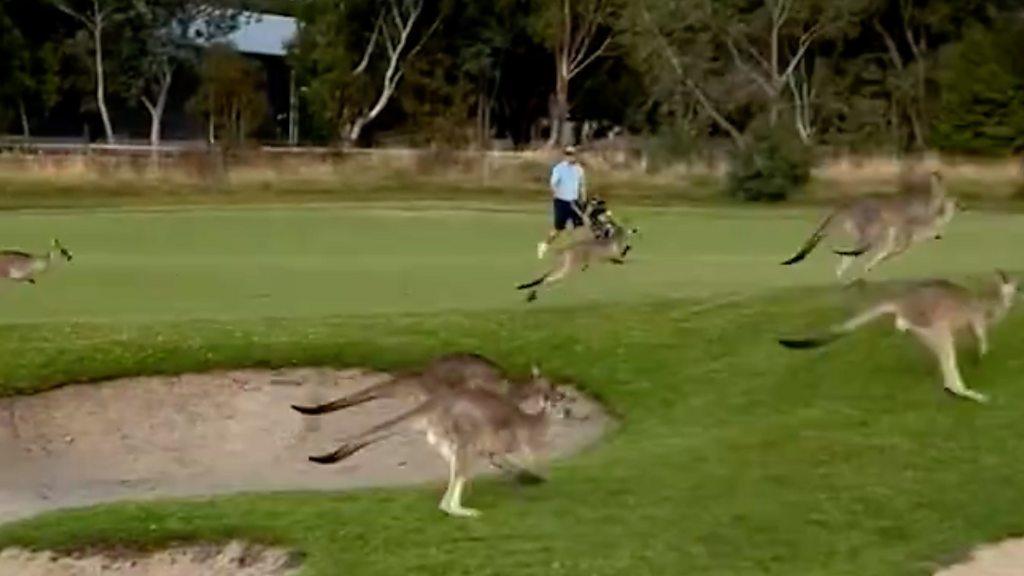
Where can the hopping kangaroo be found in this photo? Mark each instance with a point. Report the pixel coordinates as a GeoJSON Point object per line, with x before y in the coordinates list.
{"type": "Point", "coordinates": [463, 425]}
{"type": "Point", "coordinates": [934, 311]}
{"type": "Point", "coordinates": [445, 373]}
{"type": "Point", "coordinates": [24, 267]}
{"type": "Point", "coordinates": [612, 246]}
{"type": "Point", "coordinates": [885, 226]}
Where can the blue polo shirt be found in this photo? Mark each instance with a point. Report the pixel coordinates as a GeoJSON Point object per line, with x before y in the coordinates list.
{"type": "Point", "coordinates": [567, 181]}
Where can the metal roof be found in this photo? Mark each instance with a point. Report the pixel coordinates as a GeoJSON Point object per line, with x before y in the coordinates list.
{"type": "Point", "coordinates": [264, 34]}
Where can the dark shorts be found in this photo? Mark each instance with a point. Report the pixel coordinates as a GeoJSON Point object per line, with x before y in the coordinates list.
{"type": "Point", "coordinates": [564, 213]}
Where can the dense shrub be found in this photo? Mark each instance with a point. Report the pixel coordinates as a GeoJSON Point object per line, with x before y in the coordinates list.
{"type": "Point", "coordinates": [982, 87]}
{"type": "Point", "coordinates": [773, 166]}
{"type": "Point", "coordinates": [673, 142]}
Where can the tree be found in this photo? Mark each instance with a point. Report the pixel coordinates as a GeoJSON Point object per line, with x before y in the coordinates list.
{"type": "Point", "coordinates": [912, 31]}
{"type": "Point", "coordinates": [28, 67]}
{"type": "Point", "coordinates": [478, 41]}
{"type": "Point", "coordinates": [13, 68]}
{"type": "Point", "coordinates": [164, 36]}
{"type": "Point", "coordinates": [97, 16]}
{"type": "Point", "coordinates": [577, 32]}
{"type": "Point", "coordinates": [231, 94]}
{"type": "Point", "coordinates": [354, 75]}
{"type": "Point", "coordinates": [770, 42]}
{"type": "Point", "coordinates": [981, 83]}
{"type": "Point", "coordinates": [675, 50]}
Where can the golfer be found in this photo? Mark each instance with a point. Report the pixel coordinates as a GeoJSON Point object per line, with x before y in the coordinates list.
{"type": "Point", "coordinates": [569, 189]}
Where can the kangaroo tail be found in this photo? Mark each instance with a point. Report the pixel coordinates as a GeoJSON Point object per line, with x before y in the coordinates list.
{"type": "Point", "coordinates": [812, 242]}
{"type": "Point", "coordinates": [334, 405]}
{"type": "Point", "coordinates": [808, 343]}
{"type": "Point", "coordinates": [840, 330]}
{"type": "Point", "coordinates": [365, 395]}
{"type": "Point", "coordinates": [345, 450]}
{"type": "Point", "coordinates": [371, 436]}
{"type": "Point", "coordinates": [534, 283]}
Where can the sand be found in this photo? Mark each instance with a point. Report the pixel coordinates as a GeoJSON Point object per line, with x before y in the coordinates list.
{"type": "Point", "coordinates": [1002, 559]}
{"type": "Point", "coordinates": [208, 434]}
{"type": "Point", "coordinates": [235, 559]}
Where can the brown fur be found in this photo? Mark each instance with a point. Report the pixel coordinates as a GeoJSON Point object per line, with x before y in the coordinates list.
{"type": "Point", "coordinates": [24, 267]}
{"type": "Point", "coordinates": [883, 227]}
{"type": "Point", "coordinates": [465, 425]}
{"type": "Point", "coordinates": [580, 254]}
{"type": "Point", "coordinates": [935, 311]}
{"type": "Point", "coordinates": [446, 373]}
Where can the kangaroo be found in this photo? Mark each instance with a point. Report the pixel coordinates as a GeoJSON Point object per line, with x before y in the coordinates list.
{"type": "Point", "coordinates": [611, 245]}
{"type": "Point", "coordinates": [934, 311]}
{"type": "Point", "coordinates": [445, 373]}
{"type": "Point", "coordinates": [463, 425]}
{"type": "Point", "coordinates": [24, 267]}
{"type": "Point", "coordinates": [885, 226]}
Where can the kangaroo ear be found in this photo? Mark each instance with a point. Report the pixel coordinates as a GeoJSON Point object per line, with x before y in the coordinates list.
{"type": "Point", "coordinates": [1003, 276]}
{"type": "Point", "coordinates": [535, 370]}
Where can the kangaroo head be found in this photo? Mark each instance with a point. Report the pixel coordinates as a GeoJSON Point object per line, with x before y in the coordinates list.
{"type": "Point", "coordinates": [57, 246]}
{"type": "Point", "coordinates": [1008, 288]}
{"type": "Point", "coordinates": [551, 399]}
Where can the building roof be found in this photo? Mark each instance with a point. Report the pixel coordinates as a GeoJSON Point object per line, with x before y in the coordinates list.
{"type": "Point", "coordinates": [263, 34]}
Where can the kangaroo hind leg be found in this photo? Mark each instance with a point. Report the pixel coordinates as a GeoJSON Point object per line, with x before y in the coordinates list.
{"type": "Point", "coordinates": [941, 342]}
{"type": "Point", "coordinates": [555, 276]}
{"type": "Point", "coordinates": [458, 467]}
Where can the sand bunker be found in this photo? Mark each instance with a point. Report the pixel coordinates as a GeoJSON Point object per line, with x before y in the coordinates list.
{"type": "Point", "coordinates": [199, 434]}
{"type": "Point", "coordinates": [1002, 559]}
{"type": "Point", "coordinates": [235, 559]}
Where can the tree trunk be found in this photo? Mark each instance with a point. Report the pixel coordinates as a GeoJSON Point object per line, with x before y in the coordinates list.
{"type": "Point", "coordinates": [101, 97]}
{"type": "Point", "coordinates": [480, 120]}
{"type": "Point", "coordinates": [559, 110]}
{"type": "Point", "coordinates": [355, 131]}
{"type": "Point", "coordinates": [487, 123]}
{"type": "Point", "coordinates": [156, 111]}
{"type": "Point", "coordinates": [916, 127]}
{"type": "Point", "coordinates": [918, 115]}
{"type": "Point", "coordinates": [24, 119]}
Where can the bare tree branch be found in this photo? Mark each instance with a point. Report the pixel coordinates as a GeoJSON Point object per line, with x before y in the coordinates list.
{"type": "Point", "coordinates": [576, 67]}
{"type": "Point", "coordinates": [805, 42]}
{"type": "Point", "coordinates": [423, 39]}
{"type": "Point", "coordinates": [369, 47]}
{"type": "Point", "coordinates": [395, 42]}
{"type": "Point", "coordinates": [389, 43]}
{"type": "Point", "coordinates": [396, 15]}
{"type": "Point", "coordinates": [890, 44]}
{"type": "Point", "coordinates": [765, 83]}
{"type": "Point", "coordinates": [691, 85]}
{"type": "Point", "coordinates": [63, 7]}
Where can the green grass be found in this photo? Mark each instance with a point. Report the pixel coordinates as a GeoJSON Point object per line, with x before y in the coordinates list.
{"type": "Point", "coordinates": [735, 457]}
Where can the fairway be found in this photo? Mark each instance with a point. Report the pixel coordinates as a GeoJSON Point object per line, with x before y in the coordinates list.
{"type": "Point", "coordinates": [734, 456]}
{"type": "Point", "coordinates": [231, 263]}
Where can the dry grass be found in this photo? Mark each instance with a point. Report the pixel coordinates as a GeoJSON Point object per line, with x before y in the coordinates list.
{"type": "Point", "coordinates": [613, 172]}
